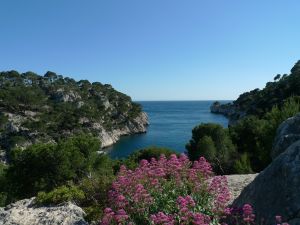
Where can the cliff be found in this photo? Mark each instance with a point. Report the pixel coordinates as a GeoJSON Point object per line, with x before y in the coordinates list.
{"type": "Point", "coordinates": [47, 108]}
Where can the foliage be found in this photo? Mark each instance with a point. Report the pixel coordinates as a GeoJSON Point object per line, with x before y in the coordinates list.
{"type": "Point", "coordinates": [43, 167]}
{"type": "Point", "coordinates": [3, 194]}
{"type": "Point", "coordinates": [255, 136]}
{"type": "Point", "coordinates": [248, 136]}
{"type": "Point", "coordinates": [57, 105]}
{"type": "Point", "coordinates": [59, 195]}
{"type": "Point", "coordinates": [132, 161]}
{"type": "Point", "coordinates": [167, 190]}
{"type": "Point", "coordinates": [173, 191]}
{"type": "Point", "coordinates": [245, 216]}
{"type": "Point", "coordinates": [259, 102]}
{"type": "Point", "coordinates": [243, 165]}
{"type": "Point", "coordinates": [213, 142]}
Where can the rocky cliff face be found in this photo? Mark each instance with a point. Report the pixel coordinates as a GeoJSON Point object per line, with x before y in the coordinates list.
{"type": "Point", "coordinates": [287, 133]}
{"type": "Point", "coordinates": [24, 212]}
{"type": "Point", "coordinates": [36, 109]}
{"type": "Point", "coordinates": [276, 190]}
{"type": "Point", "coordinates": [137, 125]}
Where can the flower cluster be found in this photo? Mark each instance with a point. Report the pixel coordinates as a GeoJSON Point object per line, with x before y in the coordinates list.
{"type": "Point", "coordinates": [245, 216]}
{"type": "Point", "coordinates": [167, 191]}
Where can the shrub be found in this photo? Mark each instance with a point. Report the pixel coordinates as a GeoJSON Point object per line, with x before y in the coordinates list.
{"type": "Point", "coordinates": [132, 161]}
{"type": "Point", "coordinates": [243, 165]}
{"type": "Point", "coordinates": [60, 195]}
{"type": "Point", "coordinates": [166, 191]}
{"type": "Point", "coordinates": [171, 192]}
{"type": "Point", "coordinates": [43, 167]}
{"type": "Point", "coordinates": [3, 192]}
{"type": "Point", "coordinates": [212, 141]}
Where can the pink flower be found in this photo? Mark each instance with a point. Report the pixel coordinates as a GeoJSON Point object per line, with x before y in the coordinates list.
{"type": "Point", "coordinates": [278, 219]}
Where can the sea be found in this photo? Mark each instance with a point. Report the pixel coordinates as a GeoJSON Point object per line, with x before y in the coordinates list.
{"type": "Point", "coordinates": [171, 124]}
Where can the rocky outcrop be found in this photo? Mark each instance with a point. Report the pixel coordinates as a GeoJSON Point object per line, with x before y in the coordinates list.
{"type": "Point", "coordinates": [287, 133]}
{"type": "Point", "coordinates": [229, 110]}
{"type": "Point", "coordinates": [61, 95]}
{"type": "Point", "coordinates": [276, 190]}
{"type": "Point", "coordinates": [43, 109]}
{"type": "Point", "coordinates": [236, 183]}
{"type": "Point", "coordinates": [24, 212]}
{"type": "Point", "coordinates": [137, 125]}
{"type": "Point", "coordinates": [107, 137]}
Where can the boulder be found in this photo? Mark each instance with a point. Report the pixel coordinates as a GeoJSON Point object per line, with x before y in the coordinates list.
{"type": "Point", "coordinates": [276, 190]}
{"type": "Point", "coordinates": [287, 133]}
{"type": "Point", "coordinates": [236, 183]}
{"type": "Point", "coordinates": [25, 213]}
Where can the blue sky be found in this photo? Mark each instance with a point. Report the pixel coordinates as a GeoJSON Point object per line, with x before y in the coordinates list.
{"type": "Point", "coordinates": [154, 49]}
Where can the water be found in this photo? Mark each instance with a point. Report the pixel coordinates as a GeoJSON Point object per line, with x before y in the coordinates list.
{"type": "Point", "coordinates": [171, 124]}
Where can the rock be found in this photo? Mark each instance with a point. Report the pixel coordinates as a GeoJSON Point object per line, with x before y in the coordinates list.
{"type": "Point", "coordinates": [3, 157]}
{"type": "Point", "coordinates": [276, 190]}
{"type": "Point", "coordinates": [287, 133]}
{"type": "Point", "coordinates": [236, 183]}
{"type": "Point", "coordinates": [66, 96]}
{"type": "Point", "coordinates": [25, 213]}
{"type": "Point", "coordinates": [229, 110]}
{"type": "Point", "coordinates": [137, 125]}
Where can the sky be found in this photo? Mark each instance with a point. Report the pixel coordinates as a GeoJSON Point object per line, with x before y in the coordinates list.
{"type": "Point", "coordinates": [154, 49]}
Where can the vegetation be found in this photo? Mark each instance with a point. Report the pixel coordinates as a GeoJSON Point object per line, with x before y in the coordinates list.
{"type": "Point", "coordinates": [61, 194]}
{"type": "Point", "coordinates": [259, 102]}
{"type": "Point", "coordinates": [133, 160]}
{"type": "Point", "coordinates": [213, 142]}
{"type": "Point", "coordinates": [246, 146]}
{"type": "Point", "coordinates": [173, 191]}
{"type": "Point", "coordinates": [50, 107]}
{"type": "Point", "coordinates": [167, 191]}
{"type": "Point", "coordinates": [70, 170]}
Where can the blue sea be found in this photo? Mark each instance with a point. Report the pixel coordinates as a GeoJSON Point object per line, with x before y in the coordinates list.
{"type": "Point", "coordinates": [171, 124]}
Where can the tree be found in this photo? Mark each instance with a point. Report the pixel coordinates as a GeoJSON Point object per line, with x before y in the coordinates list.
{"type": "Point", "coordinates": [277, 77]}
{"type": "Point", "coordinates": [218, 137]}
{"type": "Point", "coordinates": [42, 167]}
{"type": "Point", "coordinates": [207, 148]}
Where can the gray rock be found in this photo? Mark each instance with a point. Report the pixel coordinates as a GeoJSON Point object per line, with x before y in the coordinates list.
{"type": "Point", "coordinates": [25, 213]}
{"type": "Point", "coordinates": [3, 157]}
{"type": "Point", "coordinates": [137, 125]}
{"type": "Point", "coordinates": [66, 96]}
{"type": "Point", "coordinates": [287, 133]}
{"type": "Point", "coordinates": [236, 183]}
{"type": "Point", "coordinates": [276, 190]}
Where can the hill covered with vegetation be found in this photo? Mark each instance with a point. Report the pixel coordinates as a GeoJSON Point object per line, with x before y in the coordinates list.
{"type": "Point", "coordinates": [39, 109]}
{"type": "Point", "coordinates": [258, 102]}
{"type": "Point", "coordinates": [246, 145]}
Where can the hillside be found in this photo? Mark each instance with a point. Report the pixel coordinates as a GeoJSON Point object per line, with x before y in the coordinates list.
{"type": "Point", "coordinates": [47, 108]}
{"type": "Point", "coordinates": [257, 102]}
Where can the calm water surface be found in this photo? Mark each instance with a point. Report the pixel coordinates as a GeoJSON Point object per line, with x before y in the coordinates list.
{"type": "Point", "coordinates": [171, 124]}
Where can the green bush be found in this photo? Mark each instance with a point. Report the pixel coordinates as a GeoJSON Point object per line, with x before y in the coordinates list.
{"type": "Point", "coordinates": [255, 136]}
{"type": "Point", "coordinates": [43, 167]}
{"type": "Point", "coordinates": [60, 195]}
{"type": "Point", "coordinates": [248, 136]}
{"type": "Point", "coordinates": [213, 141]}
{"type": "Point", "coordinates": [3, 191]}
{"type": "Point", "coordinates": [243, 165]}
